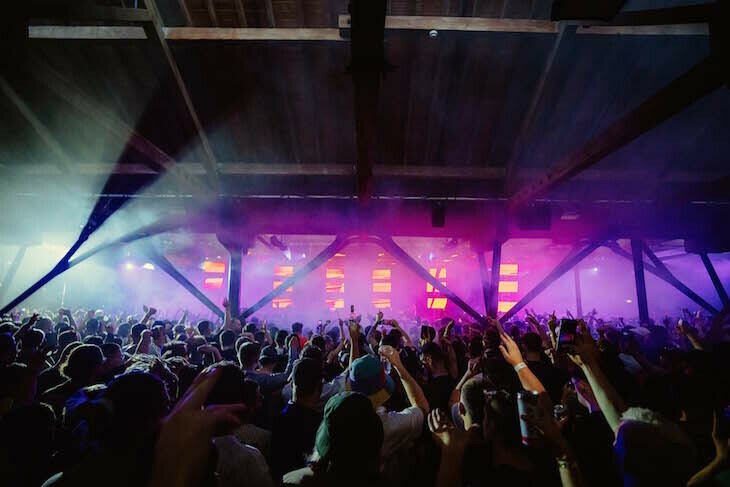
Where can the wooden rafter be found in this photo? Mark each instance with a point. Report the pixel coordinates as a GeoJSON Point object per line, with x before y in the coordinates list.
{"type": "Point", "coordinates": [523, 135]}
{"type": "Point", "coordinates": [158, 159]}
{"type": "Point", "coordinates": [697, 82]}
{"type": "Point", "coordinates": [210, 160]}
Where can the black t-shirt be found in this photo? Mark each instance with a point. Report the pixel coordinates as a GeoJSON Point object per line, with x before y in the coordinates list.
{"type": "Point", "coordinates": [292, 438]}
{"type": "Point", "coordinates": [229, 354]}
{"type": "Point", "coordinates": [438, 390]}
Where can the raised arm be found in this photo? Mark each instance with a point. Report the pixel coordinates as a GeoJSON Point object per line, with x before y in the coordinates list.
{"type": "Point", "coordinates": [227, 307]}
{"type": "Point", "coordinates": [585, 356]}
{"type": "Point", "coordinates": [511, 353]}
{"type": "Point", "coordinates": [413, 390]}
{"type": "Point", "coordinates": [374, 328]}
{"type": "Point", "coordinates": [149, 314]}
{"type": "Point", "coordinates": [354, 327]}
{"type": "Point", "coordinates": [406, 339]}
{"type": "Point", "coordinates": [18, 335]}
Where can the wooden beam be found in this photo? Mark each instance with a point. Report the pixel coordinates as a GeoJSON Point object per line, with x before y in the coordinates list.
{"type": "Point", "coordinates": [241, 12]}
{"type": "Point", "coordinates": [570, 261]}
{"type": "Point", "coordinates": [721, 292]}
{"type": "Point", "coordinates": [250, 34]}
{"type": "Point", "coordinates": [367, 65]}
{"type": "Point", "coordinates": [210, 160]}
{"type": "Point", "coordinates": [186, 12]}
{"type": "Point", "coordinates": [638, 260]}
{"type": "Point", "coordinates": [523, 135]}
{"type": "Point", "coordinates": [647, 30]}
{"type": "Point", "coordinates": [703, 78]}
{"type": "Point", "coordinates": [210, 4]}
{"type": "Point", "coordinates": [467, 24]}
{"type": "Point", "coordinates": [159, 160]}
{"type": "Point", "coordinates": [270, 13]}
{"type": "Point", "coordinates": [661, 271]}
{"type": "Point", "coordinates": [83, 32]}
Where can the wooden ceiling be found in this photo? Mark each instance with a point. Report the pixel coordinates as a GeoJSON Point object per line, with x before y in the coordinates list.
{"type": "Point", "coordinates": [458, 114]}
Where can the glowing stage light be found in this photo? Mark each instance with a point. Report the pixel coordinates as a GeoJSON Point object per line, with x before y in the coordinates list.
{"type": "Point", "coordinates": [148, 266]}
{"type": "Point", "coordinates": [595, 269]}
{"type": "Point", "coordinates": [129, 266]}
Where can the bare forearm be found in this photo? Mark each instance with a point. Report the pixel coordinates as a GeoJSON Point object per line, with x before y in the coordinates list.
{"type": "Point", "coordinates": [611, 404]}
{"type": "Point", "coordinates": [529, 381]}
{"type": "Point", "coordinates": [413, 391]}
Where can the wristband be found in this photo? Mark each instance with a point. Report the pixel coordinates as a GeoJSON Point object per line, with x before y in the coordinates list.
{"type": "Point", "coordinates": [520, 366]}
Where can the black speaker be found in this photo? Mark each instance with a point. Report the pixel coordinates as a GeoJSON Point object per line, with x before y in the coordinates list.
{"type": "Point", "coordinates": [438, 214]}
{"type": "Point", "coordinates": [534, 217]}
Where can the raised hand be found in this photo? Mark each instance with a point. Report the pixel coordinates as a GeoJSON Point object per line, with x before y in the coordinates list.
{"type": "Point", "coordinates": [390, 354]}
{"type": "Point", "coordinates": [445, 433]}
{"type": "Point", "coordinates": [510, 350]}
{"type": "Point", "coordinates": [183, 447]}
{"type": "Point", "coordinates": [226, 303]}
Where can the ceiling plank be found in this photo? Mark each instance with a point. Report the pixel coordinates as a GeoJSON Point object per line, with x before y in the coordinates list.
{"type": "Point", "coordinates": [250, 34]}
{"type": "Point", "coordinates": [468, 24]}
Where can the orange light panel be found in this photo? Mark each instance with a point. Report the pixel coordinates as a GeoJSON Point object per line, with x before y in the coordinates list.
{"type": "Point", "coordinates": [281, 303]}
{"type": "Point", "coordinates": [212, 267]}
{"type": "Point", "coordinates": [508, 270]}
{"type": "Point", "coordinates": [335, 303]}
{"type": "Point", "coordinates": [441, 273]}
{"type": "Point", "coordinates": [335, 287]}
{"type": "Point", "coordinates": [335, 273]}
{"type": "Point", "coordinates": [504, 306]}
{"type": "Point", "coordinates": [213, 283]}
{"type": "Point", "coordinates": [381, 274]}
{"type": "Point", "coordinates": [381, 303]}
{"type": "Point", "coordinates": [279, 283]}
{"type": "Point", "coordinates": [340, 255]}
{"type": "Point", "coordinates": [284, 271]}
{"type": "Point", "coordinates": [381, 287]}
{"type": "Point", "coordinates": [508, 286]}
{"type": "Point", "coordinates": [436, 303]}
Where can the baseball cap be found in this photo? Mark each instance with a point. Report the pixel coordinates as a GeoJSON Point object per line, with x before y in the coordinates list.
{"type": "Point", "coordinates": [268, 354]}
{"type": "Point", "coordinates": [350, 429]}
{"type": "Point", "coordinates": [368, 378]}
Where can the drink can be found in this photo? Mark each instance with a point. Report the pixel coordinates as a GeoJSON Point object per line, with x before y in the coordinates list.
{"type": "Point", "coordinates": [527, 406]}
{"type": "Point", "coordinates": [559, 412]}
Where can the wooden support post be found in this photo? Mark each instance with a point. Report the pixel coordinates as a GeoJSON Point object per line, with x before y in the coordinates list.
{"type": "Point", "coordinates": [329, 252]}
{"type": "Point", "coordinates": [493, 291]}
{"type": "Point", "coordinates": [483, 274]}
{"type": "Point", "coordinates": [661, 271]}
{"type": "Point", "coordinates": [58, 269]}
{"type": "Point", "coordinates": [572, 259]}
{"type": "Point", "coordinates": [638, 258]}
{"type": "Point", "coordinates": [367, 66]}
{"type": "Point", "coordinates": [721, 292]}
{"type": "Point", "coordinates": [167, 266]}
{"type": "Point", "coordinates": [235, 276]}
{"type": "Point", "coordinates": [10, 275]}
{"type": "Point", "coordinates": [578, 297]}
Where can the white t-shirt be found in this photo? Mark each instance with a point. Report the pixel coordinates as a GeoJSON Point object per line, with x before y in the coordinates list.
{"type": "Point", "coordinates": [240, 464]}
{"type": "Point", "coordinates": [399, 428]}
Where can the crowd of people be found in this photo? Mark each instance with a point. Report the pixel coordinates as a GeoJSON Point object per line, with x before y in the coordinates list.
{"type": "Point", "coordinates": [87, 398]}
